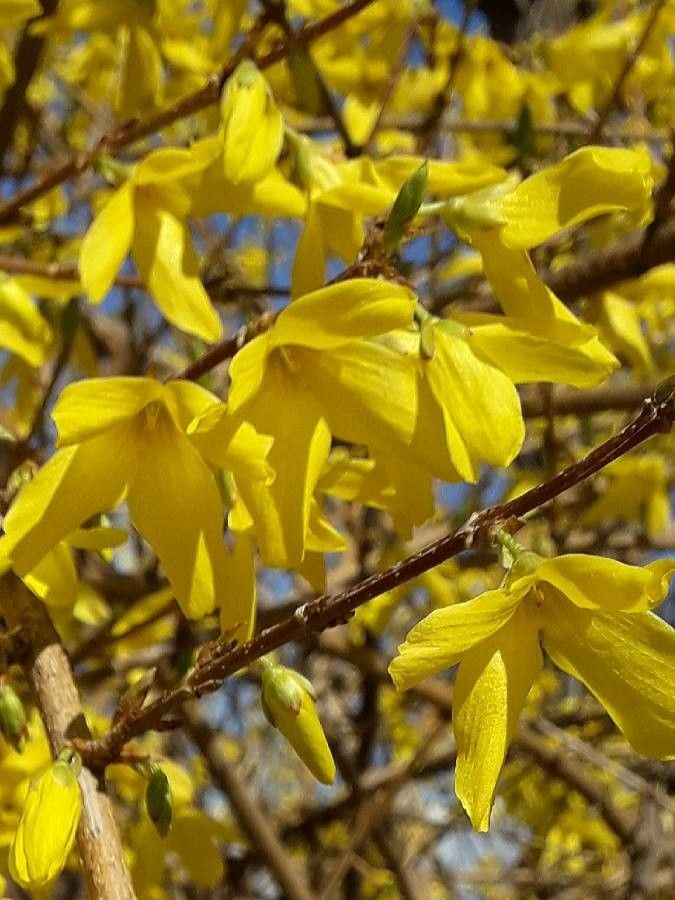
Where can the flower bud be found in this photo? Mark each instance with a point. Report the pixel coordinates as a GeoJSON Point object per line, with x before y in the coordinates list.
{"type": "Point", "coordinates": [158, 800]}
{"type": "Point", "coordinates": [287, 699]}
{"type": "Point", "coordinates": [405, 208]}
{"type": "Point", "coordinates": [253, 128]}
{"type": "Point", "coordinates": [48, 823]}
{"type": "Point", "coordinates": [12, 717]}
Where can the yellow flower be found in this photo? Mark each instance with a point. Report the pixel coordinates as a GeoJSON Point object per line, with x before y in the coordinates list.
{"type": "Point", "coordinates": [253, 128]}
{"type": "Point", "coordinates": [129, 437]}
{"type": "Point", "coordinates": [287, 699]}
{"type": "Point", "coordinates": [146, 215]}
{"type": "Point", "coordinates": [15, 12]}
{"type": "Point", "coordinates": [46, 830]}
{"type": "Point", "coordinates": [315, 357]}
{"type": "Point", "coordinates": [23, 331]}
{"type": "Point", "coordinates": [592, 617]}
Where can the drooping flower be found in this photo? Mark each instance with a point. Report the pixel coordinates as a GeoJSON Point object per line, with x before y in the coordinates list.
{"type": "Point", "coordinates": [129, 438]}
{"type": "Point", "coordinates": [591, 615]}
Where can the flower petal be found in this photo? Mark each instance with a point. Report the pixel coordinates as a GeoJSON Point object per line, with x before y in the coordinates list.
{"type": "Point", "coordinates": [478, 400]}
{"type": "Point", "coordinates": [89, 408]}
{"type": "Point", "coordinates": [445, 635]}
{"type": "Point", "coordinates": [587, 183]}
{"type": "Point", "coordinates": [174, 503]}
{"type": "Point", "coordinates": [75, 484]}
{"type": "Point", "coordinates": [343, 312]}
{"type": "Point", "coordinates": [594, 582]}
{"type": "Point", "coordinates": [490, 691]}
{"type": "Point", "coordinates": [166, 260]}
{"type": "Point", "coordinates": [628, 662]}
{"type": "Point", "coordinates": [107, 242]}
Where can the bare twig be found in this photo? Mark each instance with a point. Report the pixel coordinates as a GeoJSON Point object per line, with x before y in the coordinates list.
{"type": "Point", "coordinates": [656, 417]}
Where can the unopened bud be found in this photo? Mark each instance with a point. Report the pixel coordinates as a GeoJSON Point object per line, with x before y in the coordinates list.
{"type": "Point", "coordinates": [46, 830]}
{"type": "Point", "coordinates": [158, 800]}
{"type": "Point", "coordinates": [12, 717]}
{"type": "Point", "coordinates": [405, 208]}
{"type": "Point", "coordinates": [287, 699]}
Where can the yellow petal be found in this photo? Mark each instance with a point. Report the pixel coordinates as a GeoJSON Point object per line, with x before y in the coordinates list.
{"type": "Point", "coordinates": [187, 401]}
{"type": "Point", "coordinates": [91, 407]}
{"type": "Point", "coordinates": [54, 579]}
{"type": "Point", "coordinates": [107, 242]}
{"type": "Point", "coordinates": [628, 661]}
{"type": "Point", "coordinates": [549, 350]}
{"type": "Point", "coordinates": [477, 400]}
{"type": "Point", "coordinates": [443, 637]}
{"type": "Point", "coordinates": [367, 390]}
{"type": "Point", "coordinates": [662, 570]}
{"type": "Point", "coordinates": [587, 183]}
{"type": "Point", "coordinates": [247, 371]}
{"type": "Point", "coordinates": [172, 484]}
{"type": "Point", "coordinates": [22, 329]}
{"type": "Point", "coordinates": [342, 312]}
{"type": "Point", "coordinates": [309, 262]}
{"type": "Point", "coordinates": [166, 260]}
{"type": "Point", "coordinates": [490, 691]}
{"type": "Point", "coordinates": [232, 443]}
{"type": "Point", "coordinates": [594, 582]}
{"type": "Point", "coordinates": [75, 484]}
{"type": "Point", "coordinates": [238, 603]}
{"type": "Point", "coordinates": [301, 445]}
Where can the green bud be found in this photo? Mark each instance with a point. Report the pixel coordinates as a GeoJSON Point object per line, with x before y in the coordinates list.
{"type": "Point", "coordinates": [405, 208]}
{"type": "Point", "coordinates": [305, 79]}
{"type": "Point", "coordinates": [665, 390]}
{"type": "Point", "coordinates": [522, 136]}
{"type": "Point", "coordinates": [12, 717]}
{"type": "Point", "coordinates": [158, 800]}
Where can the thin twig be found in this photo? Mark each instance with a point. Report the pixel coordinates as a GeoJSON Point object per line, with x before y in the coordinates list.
{"type": "Point", "coordinates": [656, 417]}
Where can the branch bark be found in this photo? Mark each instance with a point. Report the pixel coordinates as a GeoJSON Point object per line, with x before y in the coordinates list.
{"type": "Point", "coordinates": [49, 674]}
{"type": "Point", "coordinates": [657, 416]}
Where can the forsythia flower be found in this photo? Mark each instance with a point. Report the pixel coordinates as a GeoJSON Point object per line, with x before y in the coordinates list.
{"type": "Point", "coordinates": [146, 215]}
{"type": "Point", "coordinates": [129, 437]}
{"type": "Point", "coordinates": [287, 699]}
{"type": "Point", "coordinates": [46, 830]}
{"type": "Point", "coordinates": [315, 357]}
{"type": "Point", "coordinates": [592, 617]}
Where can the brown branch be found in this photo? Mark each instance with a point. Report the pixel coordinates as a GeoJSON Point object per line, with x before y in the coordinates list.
{"type": "Point", "coordinates": [627, 68]}
{"type": "Point", "coordinates": [599, 270]}
{"type": "Point", "coordinates": [656, 417]}
{"type": "Point", "coordinates": [247, 812]}
{"type": "Point", "coordinates": [48, 671]}
{"type": "Point", "coordinates": [115, 141]}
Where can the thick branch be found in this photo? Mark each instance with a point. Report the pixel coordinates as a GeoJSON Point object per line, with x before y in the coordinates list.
{"type": "Point", "coordinates": [51, 679]}
{"type": "Point", "coordinates": [657, 416]}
